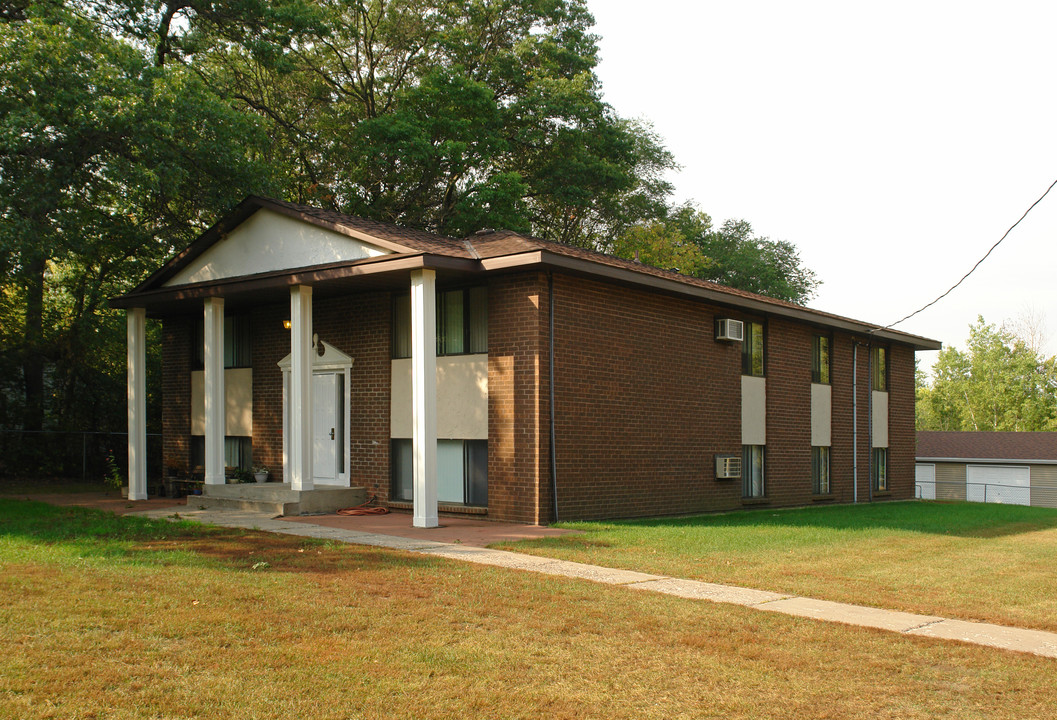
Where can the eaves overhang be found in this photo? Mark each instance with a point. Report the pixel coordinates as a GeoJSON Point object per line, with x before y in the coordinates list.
{"type": "Point", "coordinates": [389, 270]}
{"type": "Point", "coordinates": [984, 461]}
{"type": "Point", "coordinates": [543, 259]}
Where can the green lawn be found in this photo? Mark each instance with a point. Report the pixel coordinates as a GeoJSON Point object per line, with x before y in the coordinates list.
{"type": "Point", "coordinates": [107, 617]}
{"type": "Point", "coordinates": [996, 563]}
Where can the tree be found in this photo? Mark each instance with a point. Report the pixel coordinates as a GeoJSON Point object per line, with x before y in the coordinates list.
{"type": "Point", "coordinates": [443, 116]}
{"type": "Point", "coordinates": [106, 163]}
{"type": "Point", "coordinates": [998, 383]}
{"type": "Point", "coordinates": [128, 126]}
{"type": "Point", "coordinates": [731, 255]}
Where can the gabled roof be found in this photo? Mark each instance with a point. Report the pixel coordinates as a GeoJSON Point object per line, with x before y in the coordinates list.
{"type": "Point", "coordinates": [392, 237]}
{"type": "Point", "coordinates": [987, 446]}
{"type": "Point", "coordinates": [485, 251]}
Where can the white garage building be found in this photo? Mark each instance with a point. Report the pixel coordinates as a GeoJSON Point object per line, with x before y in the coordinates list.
{"type": "Point", "coordinates": [1001, 467]}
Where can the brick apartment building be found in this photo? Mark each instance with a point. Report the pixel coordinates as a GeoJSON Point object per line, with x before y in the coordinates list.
{"type": "Point", "coordinates": [507, 376]}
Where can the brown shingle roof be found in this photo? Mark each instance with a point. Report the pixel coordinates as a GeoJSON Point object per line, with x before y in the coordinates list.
{"type": "Point", "coordinates": [987, 445]}
{"type": "Point", "coordinates": [504, 243]}
{"type": "Point", "coordinates": [413, 240]}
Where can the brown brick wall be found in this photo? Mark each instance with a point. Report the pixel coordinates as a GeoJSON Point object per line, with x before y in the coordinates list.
{"type": "Point", "coordinates": [787, 459]}
{"type": "Point", "coordinates": [518, 478]}
{"type": "Point", "coordinates": [842, 468]}
{"type": "Point", "coordinates": [271, 343]}
{"type": "Point", "coordinates": [360, 327]}
{"type": "Point", "coordinates": [644, 398]}
{"type": "Point", "coordinates": [900, 421]}
{"type": "Point", "coordinates": [176, 393]}
{"type": "Point", "coordinates": [902, 440]}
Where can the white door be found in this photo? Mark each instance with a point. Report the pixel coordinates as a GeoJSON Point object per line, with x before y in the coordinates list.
{"type": "Point", "coordinates": [925, 480]}
{"type": "Point", "coordinates": [998, 484]}
{"type": "Point", "coordinates": [327, 427]}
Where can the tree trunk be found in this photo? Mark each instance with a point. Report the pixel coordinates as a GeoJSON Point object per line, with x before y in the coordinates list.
{"type": "Point", "coordinates": [33, 342]}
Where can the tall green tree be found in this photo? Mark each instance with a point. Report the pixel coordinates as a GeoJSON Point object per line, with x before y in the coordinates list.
{"type": "Point", "coordinates": [107, 163]}
{"type": "Point", "coordinates": [447, 116]}
{"type": "Point", "coordinates": [128, 126]}
{"type": "Point", "coordinates": [731, 255]}
{"type": "Point", "coordinates": [999, 382]}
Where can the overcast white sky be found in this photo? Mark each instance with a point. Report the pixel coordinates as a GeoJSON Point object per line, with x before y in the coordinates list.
{"type": "Point", "coordinates": [893, 143]}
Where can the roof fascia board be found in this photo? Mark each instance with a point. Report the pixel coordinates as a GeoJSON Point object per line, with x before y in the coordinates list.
{"type": "Point", "coordinates": [985, 461]}
{"type": "Point", "coordinates": [548, 259]}
{"type": "Point", "coordinates": [301, 276]}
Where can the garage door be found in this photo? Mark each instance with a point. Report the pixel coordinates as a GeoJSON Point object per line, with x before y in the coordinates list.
{"type": "Point", "coordinates": [998, 484]}
{"type": "Point", "coordinates": [925, 482]}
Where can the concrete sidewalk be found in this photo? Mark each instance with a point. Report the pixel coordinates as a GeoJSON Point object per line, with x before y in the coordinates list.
{"type": "Point", "coordinates": [1036, 642]}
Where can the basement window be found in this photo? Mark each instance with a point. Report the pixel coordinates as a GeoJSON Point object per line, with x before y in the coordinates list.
{"type": "Point", "coordinates": [462, 471]}
{"type": "Point", "coordinates": [752, 480]}
{"type": "Point", "coordinates": [238, 452]}
{"type": "Point", "coordinates": [880, 469]}
{"type": "Point", "coordinates": [820, 470]}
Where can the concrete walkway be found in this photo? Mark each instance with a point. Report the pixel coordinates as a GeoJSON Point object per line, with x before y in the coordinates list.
{"type": "Point", "coordinates": [1007, 638]}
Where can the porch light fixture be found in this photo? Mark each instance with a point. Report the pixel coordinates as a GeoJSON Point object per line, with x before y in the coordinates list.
{"type": "Point", "coordinates": [286, 324]}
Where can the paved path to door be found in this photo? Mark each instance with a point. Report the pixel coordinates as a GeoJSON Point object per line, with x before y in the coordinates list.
{"type": "Point", "coordinates": [460, 541]}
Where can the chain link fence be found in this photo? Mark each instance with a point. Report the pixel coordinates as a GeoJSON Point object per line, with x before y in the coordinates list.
{"type": "Point", "coordinates": [1037, 494]}
{"type": "Point", "coordinates": [70, 454]}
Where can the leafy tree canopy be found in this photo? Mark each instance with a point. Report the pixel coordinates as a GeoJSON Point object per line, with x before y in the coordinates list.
{"type": "Point", "coordinates": [732, 254]}
{"type": "Point", "coordinates": [128, 126]}
{"type": "Point", "coordinates": [999, 382]}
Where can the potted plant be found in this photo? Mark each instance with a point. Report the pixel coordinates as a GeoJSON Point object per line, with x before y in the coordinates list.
{"type": "Point", "coordinates": [260, 473]}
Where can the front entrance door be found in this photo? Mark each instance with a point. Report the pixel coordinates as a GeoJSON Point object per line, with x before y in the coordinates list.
{"type": "Point", "coordinates": [328, 423]}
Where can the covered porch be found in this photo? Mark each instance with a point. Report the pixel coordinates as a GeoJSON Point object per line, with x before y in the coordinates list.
{"type": "Point", "coordinates": [250, 260]}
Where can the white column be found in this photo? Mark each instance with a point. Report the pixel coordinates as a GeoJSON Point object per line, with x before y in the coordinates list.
{"type": "Point", "coordinates": [424, 396]}
{"type": "Point", "coordinates": [300, 440]}
{"type": "Point", "coordinates": [137, 404]}
{"type": "Point", "coordinates": [215, 399]}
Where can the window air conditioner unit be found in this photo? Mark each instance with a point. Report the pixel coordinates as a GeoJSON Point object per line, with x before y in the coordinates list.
{"type": "Point", "coordinates": [728, 467]}
{"type": "Point", "coordinates": [727, 329]}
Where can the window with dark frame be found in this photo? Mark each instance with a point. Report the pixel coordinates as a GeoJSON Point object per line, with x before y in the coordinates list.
{"type": "Point", "coordinates": [820, 359]}
{"type": "Point", "coordinates": [879, 364]}
{"type": "Point", "coordinates": [752, 361]}
{"type": "Point", "coordinates": [752, 474]}
{"type": "Point", "coordinates": [238, 451]}
{"type": "Point", "coordinates": [820, 484]}
{"type": "Point", "coordinates": [474, 472]}
{"type": "Point", "coordinates": [880, 469]}
{"type": "Point", "coordinates": [462, 322]}
{"type": "Point", "coordinates": [238, 343]}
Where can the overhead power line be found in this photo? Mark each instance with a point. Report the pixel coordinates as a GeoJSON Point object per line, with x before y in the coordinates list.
{"type": "Point", "coordinates": [978, 262]}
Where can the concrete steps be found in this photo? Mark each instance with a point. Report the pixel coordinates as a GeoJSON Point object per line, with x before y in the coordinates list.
{"type": "Point", "coordinates": [276, 498]}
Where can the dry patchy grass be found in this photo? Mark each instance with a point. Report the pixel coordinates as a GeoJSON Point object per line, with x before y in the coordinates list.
{"type": "Point", "coordinates": [183, 623]}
